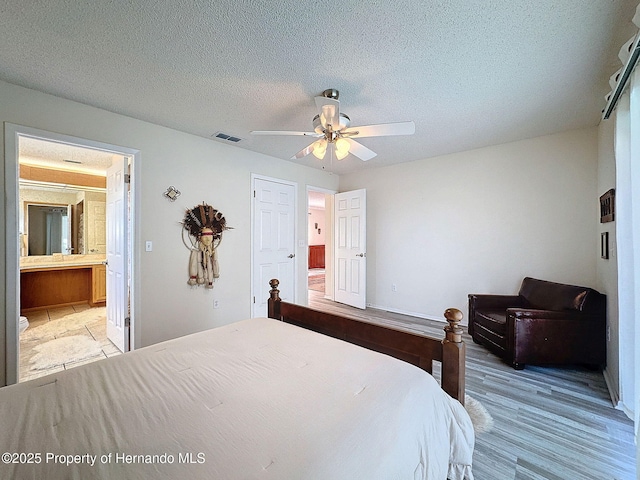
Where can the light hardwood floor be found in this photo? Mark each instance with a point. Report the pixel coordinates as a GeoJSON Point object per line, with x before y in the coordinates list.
{"type": "Point", "coordinates": [549, 423]}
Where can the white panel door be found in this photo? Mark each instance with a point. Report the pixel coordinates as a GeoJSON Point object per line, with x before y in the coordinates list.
{"type": "Point", "coordinates": [96, 233]}
{"type": "Point", "coordinates": [350, 270]}
{"type": "Point", "coordinates": [273, 241]}
{"type": "Point", "coordinates": [117, 278]}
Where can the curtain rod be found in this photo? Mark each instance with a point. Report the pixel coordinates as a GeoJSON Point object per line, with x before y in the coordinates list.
{"type": "Point", "coordinates": [624, 77]}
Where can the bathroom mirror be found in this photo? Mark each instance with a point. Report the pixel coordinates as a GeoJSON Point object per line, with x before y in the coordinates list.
{"type": "Point", "coordinates": [49, 229]}
{"type": "Point", "coordinates": [63, 219]}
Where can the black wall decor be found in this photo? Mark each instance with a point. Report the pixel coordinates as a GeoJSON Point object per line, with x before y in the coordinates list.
{"type": "Point", "coordinates": [607, 206]}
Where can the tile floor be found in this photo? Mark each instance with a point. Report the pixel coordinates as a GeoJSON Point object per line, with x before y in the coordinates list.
{"type": "Point", "coordinates": [95, 328]}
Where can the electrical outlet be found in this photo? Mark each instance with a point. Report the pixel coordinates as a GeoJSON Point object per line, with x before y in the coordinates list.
{"type": "Point", "coordinates": [394, 288]}
{"type": "Point", "coordinates": [608, 333]}
{"type": "Point", "coordinates": [216, 304]}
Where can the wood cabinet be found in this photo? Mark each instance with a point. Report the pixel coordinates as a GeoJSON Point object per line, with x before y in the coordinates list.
{"type": "Point", "coordinates": [58, 286]}
{"type": "Point", "coordinates": [99, 284]}
{"type": "Point", "coordinates": [316, 256]}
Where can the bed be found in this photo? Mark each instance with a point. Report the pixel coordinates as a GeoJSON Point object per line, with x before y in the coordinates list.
{"type": "Point", "coordinates": [256, 399]}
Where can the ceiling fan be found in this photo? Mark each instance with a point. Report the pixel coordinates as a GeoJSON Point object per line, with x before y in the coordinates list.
{"type": "Point", "coordinates": [332, 129]}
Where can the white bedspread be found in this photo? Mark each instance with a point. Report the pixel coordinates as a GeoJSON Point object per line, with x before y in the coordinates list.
{"type": "Point", "coordinates": [257, 399]}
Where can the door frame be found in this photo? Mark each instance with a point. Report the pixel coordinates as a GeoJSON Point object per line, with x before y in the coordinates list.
{"type": "Point", "coordinates": [254, 177]}
{"type": "Point", "coordinates": [117, 259]}
{"type": "Point", "coordinates": [12, 132]}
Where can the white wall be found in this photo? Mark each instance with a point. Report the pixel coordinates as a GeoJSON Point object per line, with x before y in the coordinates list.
{"type": "Point", "coordinates": [479, 221]}
{"type": "Point", "coordinates": [203, 170]}
{"type": "Point", "coordinates": [316, 236]}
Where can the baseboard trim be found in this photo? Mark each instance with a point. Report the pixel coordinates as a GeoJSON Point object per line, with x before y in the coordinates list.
{"type": "Point", "coordinates": [406, 312]}
{"type": "Point", "coordinates": [613, 392]}
{"type": "Point", "coordinates": [627, 411]}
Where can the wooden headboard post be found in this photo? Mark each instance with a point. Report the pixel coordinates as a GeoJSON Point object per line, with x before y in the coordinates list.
{"type": "Point", "coordinates": [453, 356]}
{"type": "Point", "coordinates": [273, 304]}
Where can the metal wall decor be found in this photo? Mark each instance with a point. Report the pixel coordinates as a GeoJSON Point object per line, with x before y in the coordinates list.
{"type": "Point", "coordinates": [172, 193]}
{"type": "Point", "coordinates": [204, 226]}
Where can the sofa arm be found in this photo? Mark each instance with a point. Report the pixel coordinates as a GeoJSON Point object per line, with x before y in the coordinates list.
{"type": "Point", "coordinates": [490, 302]}
{"type": "Point", "coordinates": [555, 337]}
{"type": "Point", "coordinates": [494, 302]}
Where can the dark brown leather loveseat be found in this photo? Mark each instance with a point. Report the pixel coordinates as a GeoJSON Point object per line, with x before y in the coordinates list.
{"type": "Point", "coordinates": [546, 323]}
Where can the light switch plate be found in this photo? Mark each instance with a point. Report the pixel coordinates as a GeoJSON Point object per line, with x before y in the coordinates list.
{"type": "Point", "coordinates": [148, 246]}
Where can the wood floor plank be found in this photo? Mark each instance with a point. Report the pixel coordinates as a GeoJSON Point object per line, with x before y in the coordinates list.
{"type": "Point", "coordinates": [549, 422]}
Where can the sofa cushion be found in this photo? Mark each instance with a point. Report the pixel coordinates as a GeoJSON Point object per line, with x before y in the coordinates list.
{"type": "Point", "coordinates": [493, 320]}
{"type": "Point", "coordinates": [546, 295]}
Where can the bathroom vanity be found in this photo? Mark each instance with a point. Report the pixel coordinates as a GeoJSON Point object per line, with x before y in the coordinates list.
{"type": "Point", "coordinates": [63, 284]}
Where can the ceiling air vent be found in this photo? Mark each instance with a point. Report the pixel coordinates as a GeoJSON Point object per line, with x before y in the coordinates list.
{"type": "Point", "coordinates": [224, 136]}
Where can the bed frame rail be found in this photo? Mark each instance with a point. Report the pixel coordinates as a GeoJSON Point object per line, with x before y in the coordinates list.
{"type": "Point", "coordinates": [416, 349]}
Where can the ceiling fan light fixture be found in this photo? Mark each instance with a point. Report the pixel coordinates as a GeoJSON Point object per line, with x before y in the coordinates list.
{"type": "Point", "coordinates": [342, 148]}
{"type": "Point", "coordinates": [320, 149]}
{"type": "Point", "coordinates": [342, 145]}
{"type": "Point", "coordinates": [340, 155]}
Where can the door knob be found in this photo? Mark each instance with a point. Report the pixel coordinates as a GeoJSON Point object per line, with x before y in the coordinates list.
{"type": "Point", "coordinates": [291, 255]}
{"type": "Point", "coordinates": [360, 254]}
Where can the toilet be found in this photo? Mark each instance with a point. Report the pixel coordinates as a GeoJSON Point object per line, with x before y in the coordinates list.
{"type": "Point", "coordinates": [24, 324]}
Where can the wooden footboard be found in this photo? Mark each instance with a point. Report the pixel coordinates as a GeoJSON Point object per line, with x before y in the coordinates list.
{"type": "Point", "coordinates": [416, 349]}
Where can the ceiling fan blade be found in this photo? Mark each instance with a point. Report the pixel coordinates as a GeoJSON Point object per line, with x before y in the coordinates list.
{"type": "Point", "coordinates": [305, 151]}
{"type": "Point", "coordinates": [380, 130]}
{"type": "Point", "coordinates": [285, 132]}
{"type": "Point", "coordinates": [329, 109]}
{"type": "Point", "coordinates": [360, 151]}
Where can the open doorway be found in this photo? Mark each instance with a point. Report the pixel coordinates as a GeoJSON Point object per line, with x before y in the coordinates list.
{"type": "Point", "coordinates": [320, 243]}
{"type": "Point", "coordinates": [317, 232]}
{"type": "Point", "coordinates": [63, 246]}
{"type": "Point", "coordinates": [337, 235]}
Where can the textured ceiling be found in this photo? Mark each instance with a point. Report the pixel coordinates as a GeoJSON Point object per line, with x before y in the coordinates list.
{"type": "Point", "coordinates": [469, 73]}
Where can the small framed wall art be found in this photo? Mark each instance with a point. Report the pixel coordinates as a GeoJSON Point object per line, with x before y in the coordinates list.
{"type": "Point", "coordinates": [607, 206]}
